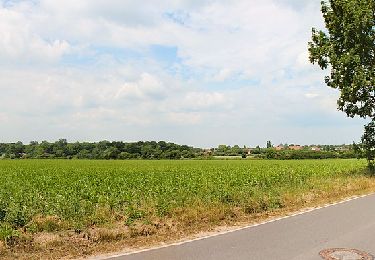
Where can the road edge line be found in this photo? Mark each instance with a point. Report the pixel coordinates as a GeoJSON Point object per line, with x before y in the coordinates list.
{"type": "Point", "coordinates": [297, 213]}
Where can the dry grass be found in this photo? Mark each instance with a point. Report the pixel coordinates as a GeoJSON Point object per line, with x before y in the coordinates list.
{"type": "Point", "coordinates": [2, 246]}
{"type": "Point", "coordinates": [46, 223]}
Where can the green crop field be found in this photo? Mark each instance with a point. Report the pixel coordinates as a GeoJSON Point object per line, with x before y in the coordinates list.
{"type": "Point", "coordinates": [74, 190]}
{"type": "Point", "coordinates": [79, 194]}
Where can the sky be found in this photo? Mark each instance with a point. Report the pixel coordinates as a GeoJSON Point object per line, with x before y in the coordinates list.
{"type": "Point", "coordinates": [194, 72]}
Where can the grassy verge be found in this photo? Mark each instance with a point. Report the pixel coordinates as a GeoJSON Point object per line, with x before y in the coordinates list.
{"type": "Point", "coordinates": [60, 209]}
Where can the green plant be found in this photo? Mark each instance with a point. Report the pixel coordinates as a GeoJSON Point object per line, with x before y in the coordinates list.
{"type": "Point", "coordinates": [7, 233]}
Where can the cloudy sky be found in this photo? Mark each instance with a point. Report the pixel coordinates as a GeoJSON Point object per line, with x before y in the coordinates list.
{"type": "Point", "coordinates": [194, 72]}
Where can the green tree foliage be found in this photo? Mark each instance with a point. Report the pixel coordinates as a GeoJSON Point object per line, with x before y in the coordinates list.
{"type": "Point", "coordinates": [101, 150]}
{"type": "Point", "coordinates": [162, 150]}
{"type": "Point", "coordinates": [347, 47]}
{"type": "Point", "coordinates": [257, 150]}
{"type": "Point", "coordinates": [270, 153]}
{"type": "Point", "coordinates": [368, 142]}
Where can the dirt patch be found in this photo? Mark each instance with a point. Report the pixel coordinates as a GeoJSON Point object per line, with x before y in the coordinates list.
{"type": "Point", "coordinates": [45, 239]}
{"type": "Point", "coordinates": [2, 247]}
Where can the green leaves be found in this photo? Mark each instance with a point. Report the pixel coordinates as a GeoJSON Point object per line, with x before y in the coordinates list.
{"type": "Point", "coordinates": [7, 233]}
{"type": "Point", "coordinates": [348, 48]}
{"type": "Point", "coordinates": [368, 141]}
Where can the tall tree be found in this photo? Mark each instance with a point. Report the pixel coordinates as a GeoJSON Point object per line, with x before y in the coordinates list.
{"type": "Point", "coordinates": [347, 48]}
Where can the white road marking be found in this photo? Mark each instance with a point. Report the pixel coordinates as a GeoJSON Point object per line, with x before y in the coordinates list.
{"type": "Point", "coordinates": [232, 230]}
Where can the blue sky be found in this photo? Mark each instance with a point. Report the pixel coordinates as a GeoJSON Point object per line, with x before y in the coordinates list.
{"type": "Point", "coordinates": [201, 73]}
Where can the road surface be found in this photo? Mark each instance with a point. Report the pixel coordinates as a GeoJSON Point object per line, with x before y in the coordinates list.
{"type": "Point", "coordinates": [347, 225]}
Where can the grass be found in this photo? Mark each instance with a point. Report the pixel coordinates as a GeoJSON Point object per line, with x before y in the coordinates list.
{"type": "Point", "coordinates": [128, 201]}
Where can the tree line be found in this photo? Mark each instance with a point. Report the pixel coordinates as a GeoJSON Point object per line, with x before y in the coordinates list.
{"type": "Point", "coordinates": [306, 152]}
{"type": "Point", "coordinates": [98, 150]}
{"type": "Point", "coordinates": [107, 150]}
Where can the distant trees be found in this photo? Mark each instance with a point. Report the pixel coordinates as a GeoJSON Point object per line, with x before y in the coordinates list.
{"type": "Point", "coordinates": [304, 154]}
{"type": "Point", "coordinates": [226, 150]}
{"type": "Point", "coordinates": [152, 150]}
{"type": "Point", "coordinates": [257, 150]}
{"type": "Point", "coordinates": [101, 150]}
{"type": "Point", "coordinates": [14, 150]}
{"type": "Point", "coordinates": [270, 153]}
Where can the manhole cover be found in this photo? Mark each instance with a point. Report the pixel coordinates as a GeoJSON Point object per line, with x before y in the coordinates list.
{"type": "Point", "coordinates": [344, 254]}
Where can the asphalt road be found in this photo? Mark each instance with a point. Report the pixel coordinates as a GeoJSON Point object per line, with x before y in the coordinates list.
{"type": "Point", "coordinates": [347, 225]}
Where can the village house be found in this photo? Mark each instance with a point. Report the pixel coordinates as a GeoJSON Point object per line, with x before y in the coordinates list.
{"type": "Point", "coordinates": [247, 151]}
{"type": "Point", "coordinates": [342, 149]}
{"type": "Point", "coordinates": [295, 147]}
{"type": "Point", "coordinates": [207, 152]}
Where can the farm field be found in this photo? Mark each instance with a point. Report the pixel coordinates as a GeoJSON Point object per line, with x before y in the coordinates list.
{"type": "Point", "coordinates": [93, 204]}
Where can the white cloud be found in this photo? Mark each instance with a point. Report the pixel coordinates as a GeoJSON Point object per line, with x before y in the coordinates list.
{"type": "Point", "coordinates": [242, 67]}
{"type": "Point", "coordinates": [19, 42]}
{"type": "Point", "coordinates": [3, 118]}
{"type": "Point", "coordinates": [311, 95]}
{"type": "Point", "coordinates": [147, 86]}
{"type": "Point", "coordinates": [223, 75]}
{"type": "Point", "coordinates": [184, 118]}
{"type": "Point", "coordinates": [203, 100]}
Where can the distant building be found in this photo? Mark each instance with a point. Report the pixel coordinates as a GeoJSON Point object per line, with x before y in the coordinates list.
{"type": "Point", "coordinates": [295, 147]}
{"type": "Point", "coordinates": [279, 147]}
{"type": "Point", "coordinates": [316, 149]}
{"type": "Point", "coordinates": [247, 150]}
{"type": "Point", "coordinates": [207, 152]}
{"type": "Point", "coordinates": [343, 149]}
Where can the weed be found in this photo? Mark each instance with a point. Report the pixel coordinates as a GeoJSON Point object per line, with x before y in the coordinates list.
{"type": "Point", "coordinates": [8, 234]}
